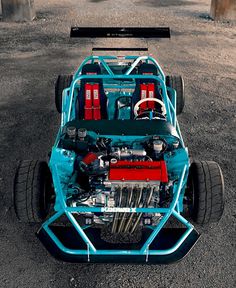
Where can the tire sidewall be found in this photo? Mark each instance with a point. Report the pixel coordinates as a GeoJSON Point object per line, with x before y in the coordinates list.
{"type": "Point", "coordinates": [63, 82]}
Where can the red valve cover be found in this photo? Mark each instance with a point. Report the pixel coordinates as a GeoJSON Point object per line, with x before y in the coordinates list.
{"type": "Point", "coordinates": [138, 171]}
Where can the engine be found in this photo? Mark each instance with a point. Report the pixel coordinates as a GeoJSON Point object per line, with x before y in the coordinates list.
{"type": "Point", "coordinates": [112, 174]}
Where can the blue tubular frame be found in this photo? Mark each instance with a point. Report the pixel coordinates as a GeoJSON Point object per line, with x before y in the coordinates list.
{"type": "Point", "coordinates": [170, 108]}
{"type": "Point", "coordinates": [91, 248]}
{"type": "Point", "coordinates": [167, 102]}
{"type": "Point", "coordinates": [175, 207]}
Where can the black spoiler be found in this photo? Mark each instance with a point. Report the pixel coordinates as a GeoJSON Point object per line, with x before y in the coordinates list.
{"type": "Point", "coordinates": [119, 49]}
{"type": "Point", "coordinates": [120, 32]}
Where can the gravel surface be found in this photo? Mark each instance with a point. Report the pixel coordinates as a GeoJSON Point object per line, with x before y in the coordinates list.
{"type": "Point", "coordinates": [33, 54]}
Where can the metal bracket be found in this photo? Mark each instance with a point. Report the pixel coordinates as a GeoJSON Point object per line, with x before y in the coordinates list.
{"type": "Point", "coordinates": [147, 254]}
{"type": "Point", "coordinates": [88, 252]}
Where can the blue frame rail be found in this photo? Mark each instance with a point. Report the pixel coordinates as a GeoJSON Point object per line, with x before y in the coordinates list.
{"type": "Point", "coordinates": [91, 247]}
{"type": "Point", "coordinates": [137, 59]}
{"type": "Point", "coordinates": [175, 206]}
{"type": "Point", "coordinates": [169, 103]}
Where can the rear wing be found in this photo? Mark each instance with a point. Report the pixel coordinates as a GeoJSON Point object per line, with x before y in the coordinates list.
{"type": "Point", "coordinates": [118, 49]}
{"type": "Point", "coordinates": [120, 32]}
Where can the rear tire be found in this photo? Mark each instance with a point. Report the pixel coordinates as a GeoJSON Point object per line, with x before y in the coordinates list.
{"type": "Point", "coordinates": [32, 191]}
{"type": "Point", "coordinates": [206, 192]}
{"type": "Point", "coordinates": [63, 82]}
{"type": "Point", "coordinates": [177, 83]}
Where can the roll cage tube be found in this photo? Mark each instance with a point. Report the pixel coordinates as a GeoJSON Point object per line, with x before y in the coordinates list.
{"type": "Point", "coordinates": [166, 99]}
{"type": "Point", "coordinates": [136, 59]}
{"type": "Point", "coordinates": [170, 105]}
{"type": "Point", "coordinates": [171, 113]}
{"type": "Point", "coordinates": [145, 249]}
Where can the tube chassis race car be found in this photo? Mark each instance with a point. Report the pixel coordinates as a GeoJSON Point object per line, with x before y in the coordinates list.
{"type": "Point", "coordinates": [119, 164]}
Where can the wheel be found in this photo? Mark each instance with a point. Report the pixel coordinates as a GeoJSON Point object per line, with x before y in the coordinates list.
{"type": "Point", "coordinates": [205, 192]}
{"type": "Point", "coordinates": [32, 191]}
{"type": "Point", "coordinates": [177, 83]}
{"type": "Point", "coordinates": [63, 82]}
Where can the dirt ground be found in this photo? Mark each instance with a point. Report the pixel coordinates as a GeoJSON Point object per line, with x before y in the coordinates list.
{"type": "Point", "coordinates": [31, 57]}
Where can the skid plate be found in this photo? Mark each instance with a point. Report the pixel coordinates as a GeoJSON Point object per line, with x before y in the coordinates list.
{"type": "Point", "coordinates": [71, 239]}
